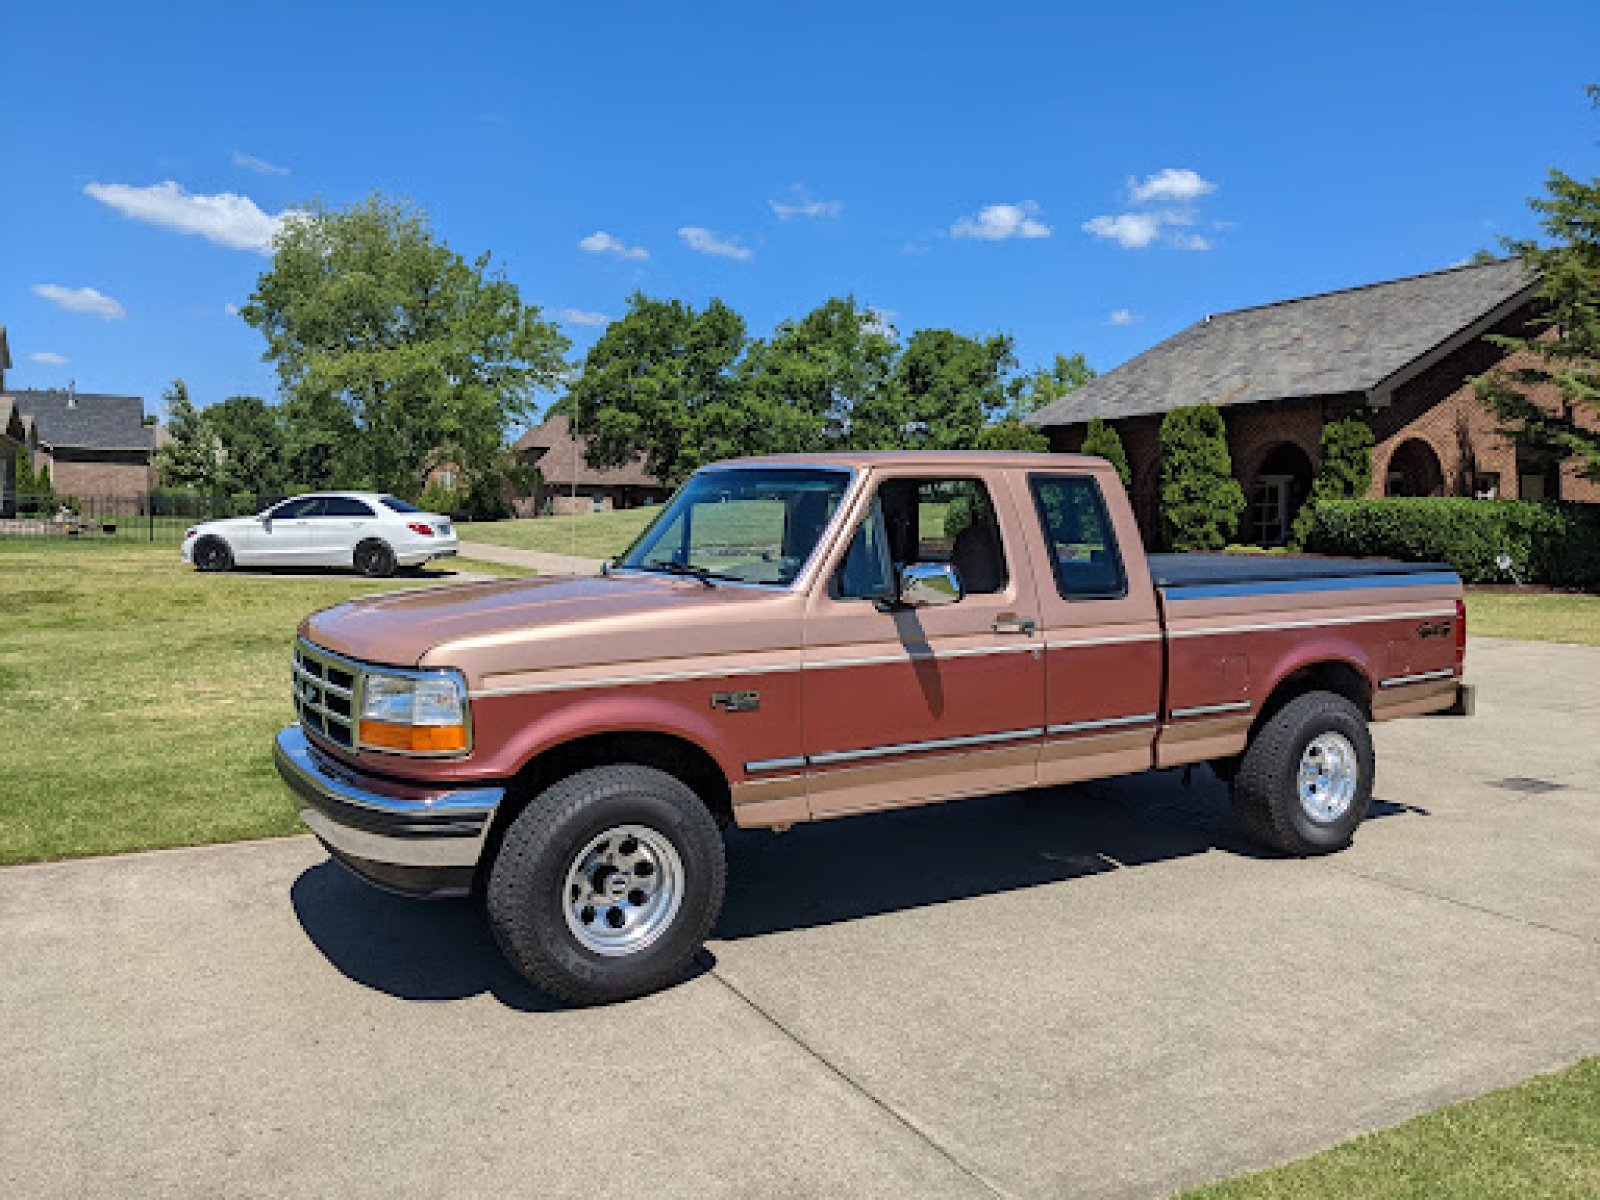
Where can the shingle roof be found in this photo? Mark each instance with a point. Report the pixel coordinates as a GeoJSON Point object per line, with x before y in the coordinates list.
{"type": "Point", "coordinates": [560, 458]}
{"type": "Point", "coordinates": [86, 420]}
{"type": "Point", "coordinates": [1331, 344]}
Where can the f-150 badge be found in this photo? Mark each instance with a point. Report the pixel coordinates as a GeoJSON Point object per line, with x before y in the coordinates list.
{"type": "Point", "coordinates": [736, 701]}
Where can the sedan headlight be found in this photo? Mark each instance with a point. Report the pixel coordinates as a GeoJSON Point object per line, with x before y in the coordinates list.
{"type": "Point", "coordinates": [414, 713]}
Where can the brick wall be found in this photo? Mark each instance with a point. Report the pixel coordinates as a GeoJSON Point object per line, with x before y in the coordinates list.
{"type": "Point", "coordinates": [86, 473]}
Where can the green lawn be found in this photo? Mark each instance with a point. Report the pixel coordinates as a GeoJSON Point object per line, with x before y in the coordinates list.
{"type": "Point", "coordinates": [138, 698]}
{"type": "Point", "coordinates": [1535, 616]}
{"type": "Point", "coordinates": [587, 535]}
{"type": "Point", "coordinates": [1538, 1139]}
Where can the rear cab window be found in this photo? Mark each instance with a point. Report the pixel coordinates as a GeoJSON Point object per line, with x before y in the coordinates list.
{"type": "Point", "coordinates": [1084, 557]}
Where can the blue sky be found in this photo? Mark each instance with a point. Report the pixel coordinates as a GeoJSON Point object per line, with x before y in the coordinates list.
{"type": "Point", "coordinates": [1084, 178]}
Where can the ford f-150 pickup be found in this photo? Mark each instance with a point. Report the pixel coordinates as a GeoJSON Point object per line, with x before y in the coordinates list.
{"type": "Point", "coordinates": [812, 636]}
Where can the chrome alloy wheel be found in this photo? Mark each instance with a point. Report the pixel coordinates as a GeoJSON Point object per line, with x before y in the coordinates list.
{"type": "Point", "coordinates": [1329, 773]}
{"type": "Point", "coordinates": [623, 890]}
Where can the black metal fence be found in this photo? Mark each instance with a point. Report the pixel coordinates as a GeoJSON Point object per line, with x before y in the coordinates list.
{"type": "Point", "coordinates": [154, 517]}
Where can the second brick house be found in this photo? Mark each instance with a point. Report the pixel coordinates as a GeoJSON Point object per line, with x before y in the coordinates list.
{"type": "Point", "coordinates": [95, 446]}
{"type": "Point", "coordinates": [1399, 355]}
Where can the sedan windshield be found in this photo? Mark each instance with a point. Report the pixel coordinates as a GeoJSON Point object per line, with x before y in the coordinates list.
{"type": "Point", "coordinates": [749, 525]}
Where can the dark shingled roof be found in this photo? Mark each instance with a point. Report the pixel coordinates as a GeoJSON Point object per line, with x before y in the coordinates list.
{"type": "Point", "coordinates": [1354, 341]}
{"type": "Point", "coordinates": [86, 420]}
{"type": "Point", "coordinates": [560, 457]}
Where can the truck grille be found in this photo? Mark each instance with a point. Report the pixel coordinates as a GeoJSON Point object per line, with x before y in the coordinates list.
{"type": "Point", "coordinates": [325, 694]}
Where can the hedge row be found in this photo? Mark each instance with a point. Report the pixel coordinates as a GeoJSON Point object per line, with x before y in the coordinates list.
{"type": "Point", "coordinates": [1556, 544]}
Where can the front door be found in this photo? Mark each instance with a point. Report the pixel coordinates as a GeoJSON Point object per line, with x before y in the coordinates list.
{"type": "Point", "coordinates": [903, 705]}
{"type": "Point", "coordinates": [282, 536]}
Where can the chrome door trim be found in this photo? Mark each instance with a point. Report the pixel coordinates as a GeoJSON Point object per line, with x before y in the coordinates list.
{"type": "Point", "coordinates": [764, 765]}
{"type": "Point", "coordinates": [1102, 723]}
{"type": "Point", "coordinates": [833, 757]}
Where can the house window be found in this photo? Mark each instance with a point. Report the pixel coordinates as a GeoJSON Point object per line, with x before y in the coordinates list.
{"type": "Point", "coordinates": [446, 479]}
{"type": "Point", "coordinates": [1486, 486]}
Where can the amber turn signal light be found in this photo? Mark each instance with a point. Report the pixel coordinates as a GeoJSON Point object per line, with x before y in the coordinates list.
{"type": "Point", "coordinates": [414, 739]}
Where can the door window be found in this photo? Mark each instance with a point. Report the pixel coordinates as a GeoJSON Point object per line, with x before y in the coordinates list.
{"type": "Point", "coordinates": [1077, 534]}
{"type": "Point", "coordinates": [925, 521]}
{"type": "Point", "coordinates": [344, 506]}
{"type": "Point", "coordinates": [301, 506]}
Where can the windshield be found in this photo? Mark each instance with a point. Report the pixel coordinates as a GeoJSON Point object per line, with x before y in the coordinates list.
{"type": "Point", "coordinates": [750, 525]}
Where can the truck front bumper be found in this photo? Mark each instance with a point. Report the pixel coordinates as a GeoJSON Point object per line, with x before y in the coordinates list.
{"type": "Point", "coordinates": [399, 837]}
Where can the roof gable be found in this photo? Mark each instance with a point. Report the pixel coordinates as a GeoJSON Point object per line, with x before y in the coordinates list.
{"type": "Point", "coordinates": [1360, 340]}
{"type": "Point", "coordinates": [86, 420]}
{"type": "Point", "coordinates": [562, 459]}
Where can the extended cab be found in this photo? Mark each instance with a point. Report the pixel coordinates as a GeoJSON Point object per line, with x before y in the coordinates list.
{"type": "Point", "coordinates": [814, 636]}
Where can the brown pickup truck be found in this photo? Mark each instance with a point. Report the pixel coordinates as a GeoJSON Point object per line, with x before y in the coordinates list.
{"type": "Point", "coordinates": [812, 636]}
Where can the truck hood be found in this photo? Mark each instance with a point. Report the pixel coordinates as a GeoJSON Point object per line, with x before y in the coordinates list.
{"type": "Point", "coordinates": [535, 624]}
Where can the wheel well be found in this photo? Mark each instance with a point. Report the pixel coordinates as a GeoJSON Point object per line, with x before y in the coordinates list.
{"type": "Point", "coordinates": [1340, 678]}
{"type": "Point", "coordinates": [677, 757]}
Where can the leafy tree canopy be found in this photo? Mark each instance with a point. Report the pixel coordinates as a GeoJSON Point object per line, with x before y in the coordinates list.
{"type": "Point", "coordinates": [944, 388]}
{"type": "Point", "coordinates": [1568, 357]}
{"type": "Point", "coordinates": [193, 454]}
{"type": "Point", "coordinates": [1042, 385]}
{"type": "Point", "coordinates": [394, 354]}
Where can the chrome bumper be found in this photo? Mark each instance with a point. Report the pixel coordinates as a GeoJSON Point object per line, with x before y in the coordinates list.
{"type": "Point", "coordinates": [403, 839]}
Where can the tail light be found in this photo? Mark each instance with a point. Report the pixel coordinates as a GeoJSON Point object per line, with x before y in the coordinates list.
{"type": "Point", "coordinates": [1461, 634]}
{"type": "Point", "coordinates": [419, 527]}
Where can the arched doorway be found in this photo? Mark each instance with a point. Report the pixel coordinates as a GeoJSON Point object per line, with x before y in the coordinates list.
{"type": "Point", "coordinates": [1282, 483]}
{"type": "Point", "coordinates": [1414, 470]}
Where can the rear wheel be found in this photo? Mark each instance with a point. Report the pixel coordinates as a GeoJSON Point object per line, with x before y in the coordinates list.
{"type": "Point", "coordinates": [1305, 781]}
{"type": "Point", "coordinates": [212, 554]}
{"type": "Point", "coordinates": [374, 559]}
{"type": "Point", "coordinates": [607, 884]}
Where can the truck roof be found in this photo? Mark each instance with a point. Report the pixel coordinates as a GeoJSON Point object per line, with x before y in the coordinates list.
{"type": "Point", "coordinates": [1025, 460]}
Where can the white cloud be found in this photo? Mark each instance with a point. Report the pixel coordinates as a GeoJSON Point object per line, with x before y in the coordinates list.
{"type": "Point", "coordinates": [998, 222]}
{"type": "Point", "coordinates": [81, 300]}
{"type": "Point", "coordinates": [879, 321]}
{"type": "Point", "coordinates": [1191, 241]}
{"type": "Point", "coordinates": [48, 358]}
{"type": "Point", "coordinates": [231, 309]}
{"type": "Point", "coordinates": [226, 218]}
{"type": "Point", "coordinates": [601, 242]}
{"type": "Point", "coordinates": [803, 204]}
{"type": "Point", "coordinates": [1123, 316]}
{"type": "Point", "coordinates": [584, 316]}
{"type": "Point", "coordinates": [708, 241]}
{"type": "Point", "coordinates": [259, 165]}
{"type": "Point", "coordinates": [1170, 183]}
{"type": "Point", "coordinates": [1132, 231]}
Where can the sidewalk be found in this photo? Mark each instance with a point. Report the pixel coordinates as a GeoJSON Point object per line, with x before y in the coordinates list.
{"type": "Point", "coordinates": [533, 560]}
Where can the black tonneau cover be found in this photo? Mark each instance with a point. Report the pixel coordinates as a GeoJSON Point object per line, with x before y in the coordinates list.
{"type": "Point", "coordinates": [1199, 570]}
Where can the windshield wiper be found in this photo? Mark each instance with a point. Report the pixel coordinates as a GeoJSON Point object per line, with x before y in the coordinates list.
{"type": "Point", "coordinates": [704, 574]}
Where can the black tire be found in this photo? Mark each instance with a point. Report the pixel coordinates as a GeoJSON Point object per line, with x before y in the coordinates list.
{"type": "Point", "coordinates": [1267, 794]}
{"type": "Point", "coordinates": [374, 559]}
{"type": "Point", "coordinates": [527, 895]}
{"type": "Point", "coordinates": [212, 554]}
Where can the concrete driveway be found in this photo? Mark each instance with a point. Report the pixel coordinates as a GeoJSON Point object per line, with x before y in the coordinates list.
{"type": "Point", "coordinates": [1096, 992]}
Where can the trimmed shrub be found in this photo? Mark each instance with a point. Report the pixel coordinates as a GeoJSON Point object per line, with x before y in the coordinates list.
{"type": "Point", "coordinates": [1344, 472]}
{"type": "Point", "coordinates": [1104, 440]}
{"type": "Point", "coordinates": [1549, 543]}
{"type": "Point", "coordinates": [1201, 501]}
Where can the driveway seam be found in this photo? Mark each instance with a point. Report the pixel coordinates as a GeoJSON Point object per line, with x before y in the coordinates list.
{"type": "Point", "coordinates": [1526, 922]}
{"type": "Point", "coordinates": [859, 1088]}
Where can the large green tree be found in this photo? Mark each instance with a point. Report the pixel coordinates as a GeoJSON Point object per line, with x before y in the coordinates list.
{"type": "Point", "coordinates": [251, 436]}
{"type": "Point", "coordinates": [661, 381]}
{"type": "Point", "coordinates": [1564, 353]}
{"type": "Point", "coordinates": [944, 389]}
{"type": "Point", "coordinates": [1201, 501]}
{"type": "Point", "coordinates": [395, 354]}
{"type": "Point", "coordinates": [192, 455]}
{"type": "Point", "coordinates": [810, 378]}
{"type": "Point", "coordinates": [1042, 385]}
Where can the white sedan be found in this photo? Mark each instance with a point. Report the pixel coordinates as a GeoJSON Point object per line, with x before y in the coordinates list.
{"type": "Point", "coordinates": [368, 531]}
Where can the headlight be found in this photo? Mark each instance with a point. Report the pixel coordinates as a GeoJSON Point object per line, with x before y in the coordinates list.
{"type": "Point", "coordinates": [414, 714]}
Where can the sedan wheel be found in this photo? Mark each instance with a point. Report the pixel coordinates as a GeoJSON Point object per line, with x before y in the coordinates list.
{"type": "Point", "coordinates": [374, 559]}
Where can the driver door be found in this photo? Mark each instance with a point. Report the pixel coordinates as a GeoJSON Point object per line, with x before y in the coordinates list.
{"type": "Point", "coordinates": [282, 537]}
{"type": "Point", "coordinates": [905, 704]}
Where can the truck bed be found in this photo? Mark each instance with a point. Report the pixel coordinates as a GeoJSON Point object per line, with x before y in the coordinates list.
{"type": "Point", "coordinates": [1194, 576]}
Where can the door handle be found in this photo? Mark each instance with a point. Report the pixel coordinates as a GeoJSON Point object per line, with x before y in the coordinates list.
{"type": "Point", "coordinates": [1010, 623]}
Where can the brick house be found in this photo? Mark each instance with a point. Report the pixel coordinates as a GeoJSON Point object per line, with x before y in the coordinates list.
{"type": "Point", "coordinates": [567, 483]}
{"type": "Point", "coordinates": [1399, 355]}
{"type": "Point", "coordinates": [95, 446]}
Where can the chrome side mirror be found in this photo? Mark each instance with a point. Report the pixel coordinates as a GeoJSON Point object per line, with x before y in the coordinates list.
{"type": "Point", "coordinates": [929, 585]}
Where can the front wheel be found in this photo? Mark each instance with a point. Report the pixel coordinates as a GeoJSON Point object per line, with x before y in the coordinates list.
{"type": "Point", "coordinates": [374, 559]}
{"type": "Point", "coordinates": [1305, 781]}
{"type": "Point", "coordinates": [607, 884]}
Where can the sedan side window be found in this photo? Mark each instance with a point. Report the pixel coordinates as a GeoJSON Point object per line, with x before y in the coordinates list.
{"type": "Point", "coordinates": [289, 510]}
{"type": "Point", "coordinates": [345, 506]}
